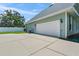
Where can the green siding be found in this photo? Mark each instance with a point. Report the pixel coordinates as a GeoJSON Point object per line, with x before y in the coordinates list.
{"type": "Point", "coordinates": [75, 22]}
{"type": "Point", "coordinates": [75, 25]}
{"type": "Point", "coordinates": [52, 18]}
{"type": "Point", "coordinates": [49, 19]}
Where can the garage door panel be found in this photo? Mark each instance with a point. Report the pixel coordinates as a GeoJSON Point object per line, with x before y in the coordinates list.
{"type": "Point", "coordinates": [49, 28]}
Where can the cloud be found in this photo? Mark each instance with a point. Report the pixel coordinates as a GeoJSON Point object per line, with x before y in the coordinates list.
{"type": "Point", "coordinates": [28, 14]}
{"type": "Point", "coordinates": [2, 8]}
{"type": "Point", "coordinates": [36, 10]}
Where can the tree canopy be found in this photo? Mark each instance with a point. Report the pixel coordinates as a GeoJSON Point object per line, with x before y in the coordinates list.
{"type": "Point", "coordinates": [11, 18]}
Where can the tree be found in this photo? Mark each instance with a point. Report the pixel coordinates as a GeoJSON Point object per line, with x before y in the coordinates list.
{"type": "Point", "coordinates": [12, 18]}
{"type": "Point", "coordinates": [19, 20]}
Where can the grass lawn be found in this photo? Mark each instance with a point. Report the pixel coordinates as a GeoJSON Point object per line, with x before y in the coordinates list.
{"type": "Point", "coordinates": [12, 32]}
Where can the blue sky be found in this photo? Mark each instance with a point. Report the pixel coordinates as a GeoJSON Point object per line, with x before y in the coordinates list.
{"type": "Point", "coordinates": [28, 10]}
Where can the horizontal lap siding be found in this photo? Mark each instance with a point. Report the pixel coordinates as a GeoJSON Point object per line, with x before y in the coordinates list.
{"type": "Point", "coordinates": [49, 19]}
{"type": "Point", "coordinates": [75, 25]}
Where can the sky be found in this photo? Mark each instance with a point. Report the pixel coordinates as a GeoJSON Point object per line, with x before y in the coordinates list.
{"type": "Point", "coordinates": [28, 10]}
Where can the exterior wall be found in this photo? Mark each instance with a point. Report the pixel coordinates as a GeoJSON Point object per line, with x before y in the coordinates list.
{"type": "Point", "coordinates": [75, 21]}
{"type": "Point", "coordinates": [75, 25]}
{"type": "Point", "coordinates": [61, 17]}
{"type": "Point", "coordinates": [11, 29]}
{"type": "Point", "coordinates": [30, 27]}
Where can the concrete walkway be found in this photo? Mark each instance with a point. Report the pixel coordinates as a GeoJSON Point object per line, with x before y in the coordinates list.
{"type": "Point", "coordinates": [36, 45]}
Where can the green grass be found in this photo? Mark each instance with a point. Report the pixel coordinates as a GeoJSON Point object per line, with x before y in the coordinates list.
{"type": "Point", "coordinates": [12, 32]}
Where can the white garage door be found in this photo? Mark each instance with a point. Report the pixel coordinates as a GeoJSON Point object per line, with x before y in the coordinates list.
{"type": "Point", "coordinates": [49, 28]}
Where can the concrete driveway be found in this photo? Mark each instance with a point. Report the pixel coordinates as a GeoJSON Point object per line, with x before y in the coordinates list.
{"type": "Point", "coordinates": [35, 45]}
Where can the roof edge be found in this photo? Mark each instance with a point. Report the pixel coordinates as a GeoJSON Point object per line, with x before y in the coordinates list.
{"type": "Point", "coordinates": [52, 14]}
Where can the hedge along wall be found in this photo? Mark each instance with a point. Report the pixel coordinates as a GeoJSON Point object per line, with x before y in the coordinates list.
{"type": "Point", "coordinates": [11, 29]}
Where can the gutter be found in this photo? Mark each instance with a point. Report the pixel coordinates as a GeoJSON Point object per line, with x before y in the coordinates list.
{"type": "Point", "coordinates": [52, 14]}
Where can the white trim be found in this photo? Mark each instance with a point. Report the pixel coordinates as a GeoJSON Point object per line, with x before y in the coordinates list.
{"type": "Point", "coordinates": [75, 11]}
{"type": "Point", "coordinates": [65, 24]}
{"type": "Point", "coordinates": [52, 14]}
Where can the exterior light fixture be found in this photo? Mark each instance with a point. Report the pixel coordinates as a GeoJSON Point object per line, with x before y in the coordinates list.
{"type": "Point", "coordinates": [61, 20]}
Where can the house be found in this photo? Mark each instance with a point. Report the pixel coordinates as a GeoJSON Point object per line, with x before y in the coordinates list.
{"type": "Point", "coordinates": [59, 20]}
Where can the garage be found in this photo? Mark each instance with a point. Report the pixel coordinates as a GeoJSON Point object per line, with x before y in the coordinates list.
{"type": "Point", "coordinates": [49, 28]}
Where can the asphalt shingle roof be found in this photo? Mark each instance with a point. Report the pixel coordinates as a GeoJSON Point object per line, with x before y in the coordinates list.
{"type": "Point", "coordinates": [51, 9]}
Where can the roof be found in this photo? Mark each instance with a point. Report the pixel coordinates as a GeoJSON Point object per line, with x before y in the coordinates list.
{"type": "Point", "coordinates": [52, 9]}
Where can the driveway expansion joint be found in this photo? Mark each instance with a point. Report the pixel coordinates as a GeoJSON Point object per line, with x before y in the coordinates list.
{"type": "Point", "coordinates": [43, 48]}
{"type": "Point", "coordinates": [57, 52]}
